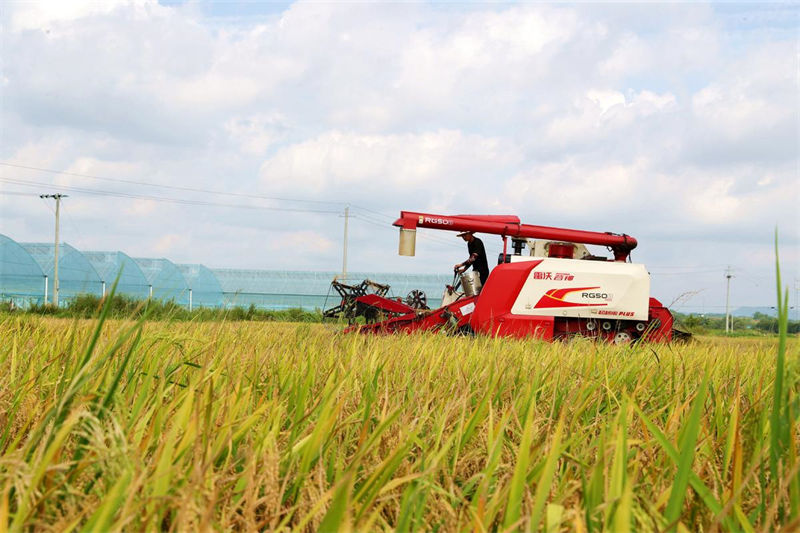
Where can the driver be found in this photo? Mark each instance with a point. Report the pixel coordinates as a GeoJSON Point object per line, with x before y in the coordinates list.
{"type": "Point", "coordinates": [477, 256]}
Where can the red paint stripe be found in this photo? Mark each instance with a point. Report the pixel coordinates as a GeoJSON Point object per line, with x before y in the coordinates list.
{"type": "Point", "coordinates": [555, 298]}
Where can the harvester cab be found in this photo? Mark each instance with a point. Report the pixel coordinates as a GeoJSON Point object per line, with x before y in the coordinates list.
{"type": "Point", "coordinates": [546, 285]}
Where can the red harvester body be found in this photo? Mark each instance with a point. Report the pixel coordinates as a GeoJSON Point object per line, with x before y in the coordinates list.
{"type": "Point", "coordinates": [558, 291]}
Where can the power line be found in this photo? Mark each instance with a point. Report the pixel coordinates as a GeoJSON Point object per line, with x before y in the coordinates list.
{"type": "Point", "coordinates": [384, 215]}
{"type": "Point", "coordinates": [192, 189]}
{"type": "Point", "coordinates": [425, 236]}
{"type": "Point", "coordinates": [101, 192]}
{"type": "Point", "coordinates": [368, 215]}
{"type": "Point", "coordinates": [18, 193]}
{"type": "Point", "coordinates": [171, 187]}
{"type": "Point", "coordinates": [79, 239]}
{"type": "Point", "coordinates": [183, 201]}
{"type": "Point", "coordinates": [177, 188]}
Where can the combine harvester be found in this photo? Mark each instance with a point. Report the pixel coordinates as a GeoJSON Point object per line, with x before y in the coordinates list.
{"type": "Point", "coordinates": [556, 291]}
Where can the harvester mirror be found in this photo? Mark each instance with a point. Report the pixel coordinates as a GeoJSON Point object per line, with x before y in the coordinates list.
{"type": "Point", "coordinates": [408, 241]}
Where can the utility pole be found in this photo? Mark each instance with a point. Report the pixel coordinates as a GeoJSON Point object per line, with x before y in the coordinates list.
{"type": "Point", "coordinates": [728, 321]}
{"type": "Point", "coordinates": [344, 251]}
{"type": "Point", "coordinates": [56, 287]}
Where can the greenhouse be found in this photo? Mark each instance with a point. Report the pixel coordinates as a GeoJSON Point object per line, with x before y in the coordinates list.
{"type": "Point", "coordinates": [276, 289]}
{"type": "Point", "coordinates": [204, 288]}
{"type": "Point", "coordinates": [75, 274]}
{"type": "Point", "coordinates": [21, 278]}
{"type": "Point", "coordinates": [165, 280]}
{"type": "Point", "coordinates": [26, 272]}
{"type": "Point", "coordinates": [132, 281]}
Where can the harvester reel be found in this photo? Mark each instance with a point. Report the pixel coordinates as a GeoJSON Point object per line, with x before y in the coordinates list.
{"type": "Point", "coordinates": [417, 299]}
{"type": "Point", "coordinates": [348, 308]}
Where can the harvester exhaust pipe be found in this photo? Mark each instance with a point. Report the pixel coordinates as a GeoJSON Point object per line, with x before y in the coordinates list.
{"type": "Point", "coordinates": [408, 241]}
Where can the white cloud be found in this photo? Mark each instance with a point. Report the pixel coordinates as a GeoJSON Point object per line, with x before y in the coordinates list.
{"type": "Point", "coordinates": [308, 241]}
{"type": "Point", "coordinates": [215, 90]}
{"type": "Point", "coordinates": [432, 161]}
{"type": "Point", "coordinates": [571, 188]}
{"type": "Point", "coordinates": [167, 243]}
{"type": "Point", "coordinates": [45, 151]}
{"type": "Point", "coordinates": [42, 14]}
{"type": "Point", "coordinates": [256, 133]}
{"type": "Point", "coordinates": [686, 41]}
{"type": "Point", "coordinates": [605, 100]}
{"type": "Point", "coordinates": [605, 116]}
{"type": "Point", "coordinates": [93, 166]}
{"type": "Point", "coordinates": [631, 54]}
{"type": "Point", "coordinates": [731, 112]}
{"type": "Point", "coordinates": [141, 208]}
{"type": "Point", "coordinates": [714, 203]}
{"type": "Point", "coordinates": [649, 102]}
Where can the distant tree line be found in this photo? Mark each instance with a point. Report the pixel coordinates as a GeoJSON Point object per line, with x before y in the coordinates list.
{"type": "Point", "coordinates": [123, 306]}
{"type": "Point", "coordinates": [758, 323]}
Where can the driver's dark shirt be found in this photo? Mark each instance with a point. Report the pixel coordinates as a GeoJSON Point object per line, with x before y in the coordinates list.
{"type": "Point", "coordinates": [481, 265]}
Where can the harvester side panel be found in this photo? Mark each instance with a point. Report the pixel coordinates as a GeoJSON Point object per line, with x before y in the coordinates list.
{"type": "Point", "coordinates": [660, 324]}
{"type": "Point", "coordinates": [493, 316]}
{"type": "Point", "coordinates": [585, 289]}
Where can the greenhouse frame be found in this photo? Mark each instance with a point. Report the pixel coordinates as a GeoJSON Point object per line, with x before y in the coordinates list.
{"type": "Point", "coordinates": [27, 270]}
{"type": "Point", "coordinates": [76, 275]}
{"type": "Point", "coordinates": [109, 265]}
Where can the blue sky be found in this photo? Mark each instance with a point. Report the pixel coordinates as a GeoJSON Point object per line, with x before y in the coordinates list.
{"type": "Point", "coordinates": [244, 10]}
{"type": "Point", "coordinates": [675, 123]}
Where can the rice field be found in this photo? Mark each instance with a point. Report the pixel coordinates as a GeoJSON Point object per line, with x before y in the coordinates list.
{"type": "Point", "coordinates": [183, 426]}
